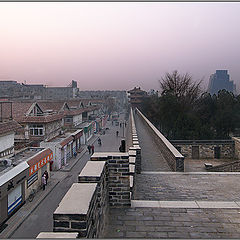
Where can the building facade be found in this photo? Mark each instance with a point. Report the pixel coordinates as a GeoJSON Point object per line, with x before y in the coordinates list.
{"type": "Point", "coordinates": [220, 80]}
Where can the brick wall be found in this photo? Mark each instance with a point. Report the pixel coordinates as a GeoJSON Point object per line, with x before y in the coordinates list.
{"type": "Point", "coordinates": [117, 177]}
{"type": "Point", "coordinates": [206, 150]}
{"type": "Point", "coordinates": [104, 182]}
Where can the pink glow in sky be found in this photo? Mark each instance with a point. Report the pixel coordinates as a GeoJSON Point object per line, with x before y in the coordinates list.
{"type": "Point", "coordinates": [117, 45]}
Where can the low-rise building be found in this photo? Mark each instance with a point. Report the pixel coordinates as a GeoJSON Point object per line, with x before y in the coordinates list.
{"type": "Point", "coordinates": [136, 96]}
{"type": "Point", "coordinates": [19, 174]}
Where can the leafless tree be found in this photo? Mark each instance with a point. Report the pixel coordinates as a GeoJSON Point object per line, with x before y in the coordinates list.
{"type": "Point", "coordinates": [181, 86]}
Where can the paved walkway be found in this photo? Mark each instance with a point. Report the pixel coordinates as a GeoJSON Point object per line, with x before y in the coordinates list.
{"type": "Point", "coordinates": [152, 159]}
{"type": "Point", "coordinates": [174, 223]}
{"type": "Point", "coordinates": [177, 205]}
{"type": "Point", "coordinates": [185, 187]}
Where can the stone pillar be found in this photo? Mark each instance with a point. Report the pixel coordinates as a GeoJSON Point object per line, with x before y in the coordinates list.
{"type": "Point", "coordinates": [118, 177]}
{"type": "Point", "coordinates": [75, 212]}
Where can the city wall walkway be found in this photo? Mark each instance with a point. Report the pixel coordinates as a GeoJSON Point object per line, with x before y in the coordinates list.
{"type": "Point", "coordinates": [175, 205]}
{"type": "Point", "coordinates": [152, 158]}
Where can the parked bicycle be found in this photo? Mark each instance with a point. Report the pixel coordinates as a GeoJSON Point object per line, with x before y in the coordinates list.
{"type": "Point", "coordinates": [32, 195]}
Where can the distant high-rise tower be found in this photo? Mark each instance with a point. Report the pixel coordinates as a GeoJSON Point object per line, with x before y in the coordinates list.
{"type": "Point", "coordinates": [220, 80]}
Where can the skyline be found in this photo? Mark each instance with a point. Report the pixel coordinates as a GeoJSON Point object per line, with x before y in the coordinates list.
{"type": "Point", "coordinates": [117, 45]}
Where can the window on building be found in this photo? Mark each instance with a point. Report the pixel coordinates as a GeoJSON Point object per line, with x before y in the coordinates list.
{"type": "Point", "coordinates": [36, 130]}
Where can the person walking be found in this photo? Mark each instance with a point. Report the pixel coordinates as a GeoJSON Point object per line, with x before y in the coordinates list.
{"type": "Point", "coordinates": [43, 181]}
{"type": "Point", "coordinates": [92, 147]}
{"type": "Point", "coordinates": [46, 176]}
{"type": "Point", "coordinates": [89, 149]}
{"type": "Point", "coordinates": [117, 133]}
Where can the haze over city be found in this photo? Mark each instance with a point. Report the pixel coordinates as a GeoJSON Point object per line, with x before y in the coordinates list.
{"type": "Point", "coordinates": [117, 45]}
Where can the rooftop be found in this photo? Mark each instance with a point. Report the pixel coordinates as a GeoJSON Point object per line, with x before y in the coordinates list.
{"type": "Point", "coordinates": [18, 158]}
{"type": "Point", "coordinates": [9, 126]}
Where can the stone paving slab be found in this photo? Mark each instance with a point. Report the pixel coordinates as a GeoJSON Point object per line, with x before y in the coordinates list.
{"type": "Point", "coordinates": [173, 223]}
{"type": "Point", "coordinates": [187, 187]}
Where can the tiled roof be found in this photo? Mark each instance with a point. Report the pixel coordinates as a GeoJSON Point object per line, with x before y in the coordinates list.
{"type": "Point", "coordinates": [42, 119]}
{"type": "Point", "coordinates": [66, 141]}
{"type": "Point", "coordinates": [19, 109]}
{"type": "Point", "coordinates": [51, 105]}
{"type": "Point", "coordinates": [74, 112]}
{"type": "Point", "coordinates": [10, 126]}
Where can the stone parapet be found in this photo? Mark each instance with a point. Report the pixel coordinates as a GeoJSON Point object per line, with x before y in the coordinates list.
{"type": "Point", "coordinates": [47, 235]}
{"type": "Point", "coordinates": [118, 177]}
{"type": "Point", "coordinates": [75, 212]}
{"type": "Point", "coordinates": [96, 172]}
{"type": "Point", "coordinates": [173, 157]}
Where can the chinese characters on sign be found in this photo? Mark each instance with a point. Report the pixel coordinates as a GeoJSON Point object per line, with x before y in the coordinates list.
{"type": "Point", "coordinates": [40, 164]}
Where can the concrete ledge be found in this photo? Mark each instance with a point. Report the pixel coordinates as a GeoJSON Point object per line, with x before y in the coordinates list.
{"type": "Point", "coordinates": [131, 181]}
{"type": "Point", "coordinates": [185, 204]}
{"type": "Point", "coordinates": [92, 171]}
{"type": "Point", "coordinates": [178, 204]}
{"type": "Point", "coordinates": [107, 155]}
{"type": "Point", "coordinates": [144, 203]}
{"type": "Point", "coordinates": [57, 235]}
{"type": "Point", "coordinates": [193, 173]}
{"type": "Point", "coordinates": [131, 168]}
{"type": "Point", "coordinates": [77, 199]}
{"type": "Point", "coordinates": [132, 153]}
{"type": "Point", "coordinates": [203, 204]}
{"type": "Point", "coordinates": [132, 160]}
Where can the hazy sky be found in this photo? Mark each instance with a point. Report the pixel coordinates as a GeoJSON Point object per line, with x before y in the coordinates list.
{"type": "Point", "coordinates": [117, 45]}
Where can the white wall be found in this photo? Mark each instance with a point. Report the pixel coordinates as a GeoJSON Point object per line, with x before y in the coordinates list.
{"type": "Point", "coordinates": [77, 119]}
{"type": "Point", "coordinates": [56, 149]}
{"type": "Point", "coordinates": [6, 142]}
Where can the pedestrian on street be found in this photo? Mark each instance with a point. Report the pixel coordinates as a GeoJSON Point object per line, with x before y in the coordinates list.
{"type": "Point", "coordinates": [120, 124]}
{"type": "Point", "coordinates": [117, 133]}
{"type": "Point", "coordinates": [46, 176]}
{"type": "Point", "coordinates": [92, 147]}
{"type": "Point", "coordinates": [89, 149]}
{"type": "Point", "coordinates": [125, 124]}
{"type": "Point", "coordinates": [43, 181]}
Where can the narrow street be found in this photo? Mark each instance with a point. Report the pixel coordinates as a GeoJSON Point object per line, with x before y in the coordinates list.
{"type": "Point", "coordinates": [41, 219]}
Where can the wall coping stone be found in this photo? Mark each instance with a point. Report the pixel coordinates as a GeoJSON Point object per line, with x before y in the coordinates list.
{"type": "Point", "coordinates": [57, 235]}
{"type": "Point", "coordinates": [131, 168]}
{"type": "Point", "coordinates": [108, 154]}
{"type": "Point", "coordinates": [132, 153]}
{"type": "Point", "coordinates": [92, 168]}
{"type": "Point", "coordinates": [132, 160]}
{"type": "Point", "coordinates": [131, 181]}
{"type": "Point", "coordinates": [77, 199]}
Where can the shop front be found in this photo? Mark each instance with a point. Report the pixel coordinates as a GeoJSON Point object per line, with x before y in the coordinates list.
{"type": "Point", "coordinates": [77, 135]}
{"type": "Point", "coordinates": [104, 121]}
{"type": "Point", "coordinates": [12, 190]}
{"type": "Point", "coordinates": [38, 164]}
{"type": "Point", "coordinates": [88, 131]}
{"type": "Point", "coordinates": [66, 150]}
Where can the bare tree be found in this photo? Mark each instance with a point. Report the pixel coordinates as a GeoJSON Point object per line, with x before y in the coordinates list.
{"type": "Point", "coordinates": [181, 86]}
